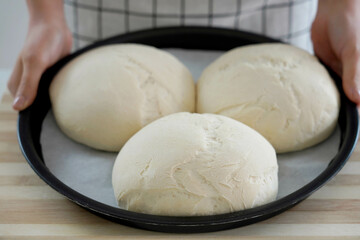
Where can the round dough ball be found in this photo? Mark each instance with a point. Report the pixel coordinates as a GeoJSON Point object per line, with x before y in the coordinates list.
{"type": "Point", "coordinates": [104, 96]}
{"type": "Point", "coordinates": [281, 91]}
{"type": "Point", "coordinates": [195, 164]}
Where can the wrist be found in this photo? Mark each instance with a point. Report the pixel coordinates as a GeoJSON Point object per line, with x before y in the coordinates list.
{"type": "Point", "coordinates": [54, 22]}
{"type": "Point", "coordinates": [46, 12]}
{"type": "Point", "coordinates": [336, 4]}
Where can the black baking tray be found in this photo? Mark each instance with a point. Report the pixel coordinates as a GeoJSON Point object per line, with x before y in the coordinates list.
{"type": "Point", "coordinates": [30, 123]}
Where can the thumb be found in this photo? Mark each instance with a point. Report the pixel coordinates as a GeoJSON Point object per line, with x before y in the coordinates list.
{"type": "Point", "coordinates": [28, 86]}
{"type": "Point", "coordinates": [351, 74]}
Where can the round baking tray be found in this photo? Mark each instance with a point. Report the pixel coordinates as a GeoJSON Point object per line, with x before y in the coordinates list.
{"type": "Point", "coordinates": [30, 123]}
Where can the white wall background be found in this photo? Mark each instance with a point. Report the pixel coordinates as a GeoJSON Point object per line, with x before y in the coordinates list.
{"type": "Point", "coordinates": [13, 27]}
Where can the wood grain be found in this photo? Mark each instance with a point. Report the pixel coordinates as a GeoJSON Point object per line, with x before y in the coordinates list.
{"type": "Point", "coordinates": [30, 209]}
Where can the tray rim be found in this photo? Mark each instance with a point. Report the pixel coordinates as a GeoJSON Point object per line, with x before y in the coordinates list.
{"type": "Point", "coordinates": [190, 223]}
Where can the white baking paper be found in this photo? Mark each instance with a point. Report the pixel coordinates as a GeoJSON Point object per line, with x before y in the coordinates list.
{"type": "Point", "coordinates": [88, 171]}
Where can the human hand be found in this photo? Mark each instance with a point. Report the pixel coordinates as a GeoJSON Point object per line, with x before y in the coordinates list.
{"type": "Point", "coordinates": [47, 41]}
{"type": "Point", "coordinates": [336, 39]}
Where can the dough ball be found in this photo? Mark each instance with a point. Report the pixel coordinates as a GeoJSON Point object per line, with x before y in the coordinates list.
{"type": "Point", "coordinates": [281, 91]}
{"type": "Point", "coordinates": [195, 164]}
{"type": "Point", "coordinates": [104, 96]}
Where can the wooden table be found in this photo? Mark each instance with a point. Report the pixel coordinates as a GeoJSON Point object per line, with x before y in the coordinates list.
{"type": "Point", "coordinates": [30, 209]}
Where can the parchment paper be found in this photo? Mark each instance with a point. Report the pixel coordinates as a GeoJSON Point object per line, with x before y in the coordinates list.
{"type": "Point", "coordinates": [88, 171]}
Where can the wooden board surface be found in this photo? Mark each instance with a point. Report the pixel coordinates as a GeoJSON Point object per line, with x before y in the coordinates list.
{"type": "Point", "coordinates": [30, 209]}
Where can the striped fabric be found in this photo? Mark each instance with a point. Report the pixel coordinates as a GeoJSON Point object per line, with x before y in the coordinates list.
{"type": "Point", "coordinates": [288, 20]}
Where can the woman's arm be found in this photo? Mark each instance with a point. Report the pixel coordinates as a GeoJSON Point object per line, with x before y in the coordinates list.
{"type": "Point", "coordinates": [336, 38]}
{"type": "Point", "coordinates": [48, 39]}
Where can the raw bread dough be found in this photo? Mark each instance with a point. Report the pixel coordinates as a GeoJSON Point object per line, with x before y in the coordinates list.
{"type": "Point", "coordinates": [104, 96]}
{"type": "Point", "coordinates": [281, 91]}
{"type": "Point", "coordinates": [195, 164]}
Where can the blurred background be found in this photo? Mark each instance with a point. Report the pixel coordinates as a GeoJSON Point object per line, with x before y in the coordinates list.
{"type": "Point", "coordinates": [13, 26]}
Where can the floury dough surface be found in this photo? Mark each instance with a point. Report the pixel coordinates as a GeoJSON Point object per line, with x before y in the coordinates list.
{"type": "Point", "coordinates": [279, 90]}
{"type": "Point", "coordinates": [104, 96]}
{"type": "Point", "coordinates": [88, 171]}
{"type": "Point", "coordinates": [195, 164]}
